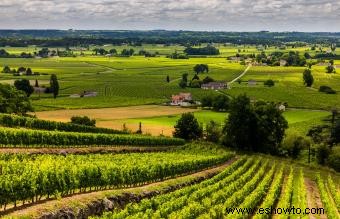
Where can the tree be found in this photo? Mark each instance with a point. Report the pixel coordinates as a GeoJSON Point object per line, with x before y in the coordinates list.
{"type": "Point", "coordinates": [13, 100]}
{"type": "Point", "coordinates": [207, 80]}
{"type": "Point", "coordinates": [213, 132]}
{"type": "Point", "coordinates": [188, 128]}
{"type": "Point", "coordinates": [240, 125]}
{"type": "Point", "coordinates": [4, 53]}
{"type": "Point", "coordinates": [21, 69]}
{"type": "Point", "coordinates": [195, 83]}
{"type": "Point", "coordinates": [270, 130]}
{"type": "Point", "coordinates": [308, 77]}
{"type": "Point", "coordinates": [113, 51]}
{"type": "Point", "coordinates": [269, 83]}
{"type": "Point", "coordinates": [100, 51]}
{"type": "Point", "coordinates": [36, 83]}
{"type": "Point", "coordinates": [258, 127]}
{"type": "Point", "coordinates": [29, 71]}
{"type": "Point", "coordinates": [184, 82]}
{"type": "Point", "coordinates": [24, 85]}
{"type": "Point", "coordinates": [6, 69]}
{"type": "Point", "coordinates": [207, 101]}
{"type": "Point", "coordinates": [293, 144]}
{"type": "Point", "coordinates": [195, 77]}
{"type": "Point", "coordinates": [83, 120]}
{"type": "Point", "coordinates": [127, 52]}
{"type": "Point", "coordinates": [307, 55]}
{"type": "Point", "coordinates": [220, 103]}
{"type": "Point", "coordinates": [200, 68]}
{"type": "Point", "coordinates": [333, 47]}
{"type": "Point", "coordinates": [44, 52]}
{"type": "Point", "coordinates": [54, 85]}
{"type": "Point", "coordinates": [330, 69]}
{"type": "Point", "coordinates": [322, 153]}
{"type": "Point", "coordinates": [168, 78]}
{"type": "Point", "coordinates": [335, 136]}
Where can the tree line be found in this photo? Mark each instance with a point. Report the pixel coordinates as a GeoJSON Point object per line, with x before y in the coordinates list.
{"type": "Point", "coordinates": [63, 38]}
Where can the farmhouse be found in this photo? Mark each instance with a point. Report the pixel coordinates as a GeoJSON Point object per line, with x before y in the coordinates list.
{"type": "Point", "coordinates": [259, 64]}
{"type": "Point", "coordinates": [213, 86]}
{"type": "Point", "coordinates": [182, 99]}
{"type": "Point", "coordinates": [323, 64]}
{"type": "Point", "coordinates": [283, 62]}
{"type": "Point", "coordinates": [84, 94]}
{"type": "Point", "coordinates": [235, 59]}
{"type": "Point", "coordinates": [39, 89]}
{"type": "Point", "coordinates": [251, 83]}
{"type": "Point", "coordinates": [89, 94]}
{"type": "Point", "coordinates": [282, 107]}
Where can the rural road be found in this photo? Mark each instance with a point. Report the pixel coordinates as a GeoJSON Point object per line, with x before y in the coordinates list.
{"type": "Point", "coordinates": [241, 75]}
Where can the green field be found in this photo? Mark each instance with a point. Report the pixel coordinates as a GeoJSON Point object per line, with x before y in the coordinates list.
{"type": "Point", "coordinates": [138, 80]}
{"type": "Point", "coordinates": [119, 81]}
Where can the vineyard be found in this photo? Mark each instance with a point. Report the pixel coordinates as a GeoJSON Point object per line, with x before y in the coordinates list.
{"type": "Point", "coordinates": [32, 178]}
{"type": "Point", "coordinates": [10, 137]}
{"type": "Point", "coordinates": [250, 182]}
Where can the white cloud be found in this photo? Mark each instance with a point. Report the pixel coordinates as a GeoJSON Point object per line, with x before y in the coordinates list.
{"type": "Point", "coordinates": [309, 15]}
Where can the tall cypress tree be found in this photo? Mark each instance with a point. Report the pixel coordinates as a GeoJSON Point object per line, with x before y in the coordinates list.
{"type": "Point", "coordinates": [54, 85]}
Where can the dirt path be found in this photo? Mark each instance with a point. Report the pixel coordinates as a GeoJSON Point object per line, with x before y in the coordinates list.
{"type": "Point", "coordinates": [82, 200]}
{"type": "Point", "coordinates": [313, 198]}
{"type": "Point", "coordinates": [240, 76]}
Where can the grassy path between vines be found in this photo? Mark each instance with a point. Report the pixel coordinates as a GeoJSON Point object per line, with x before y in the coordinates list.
{"type": "Point", "coordinates": [86, 150]}
{"type": "Point", "coordinates": [81, 200]}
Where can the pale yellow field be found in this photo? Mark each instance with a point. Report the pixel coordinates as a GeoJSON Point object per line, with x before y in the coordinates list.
{"type": "Point", "coordinates": [114, 117]}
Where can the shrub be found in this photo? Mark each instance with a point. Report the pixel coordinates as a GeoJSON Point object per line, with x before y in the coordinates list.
{"type": "Point", "coordinates": [24, 85]}
{"type": "Point", "coordinates": [269, 83]}
{"type": "Point", "coordinates": [207, 101]}
{"type": "Point", "coordinates": [213, 132]}
{"type": "Point", "coordinates": [322, 153]}
{"type": "Point", "coordinates": [221, 103]}
{"type": "Point", "coordinates": [334, 159]}
{"type": "Point", "coordinates": [83, 120]}
{"type": "Point", "coordinates": [293, 144]}
{"type": "Point", "coordinates": [196, 83]}
{"type": "Point", "coordinates": [207, 80]}
{"type": "Point", "coordinates": [330, 69]}
{"type": "Point", "coordinates": [327, 90]}
{"type": "Point", "coordinates": [308, 77]}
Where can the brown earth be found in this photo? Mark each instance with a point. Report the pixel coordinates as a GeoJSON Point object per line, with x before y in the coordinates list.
{"type": "Point", "coordinates": [313, 197]}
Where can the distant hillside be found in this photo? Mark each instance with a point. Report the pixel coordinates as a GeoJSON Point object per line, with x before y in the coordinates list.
{"type": "Point", "coordinates": [86, 37]}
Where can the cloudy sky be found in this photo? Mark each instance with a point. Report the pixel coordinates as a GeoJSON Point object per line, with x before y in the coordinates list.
{"type": "Point", "coordinates": [228, 15]}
